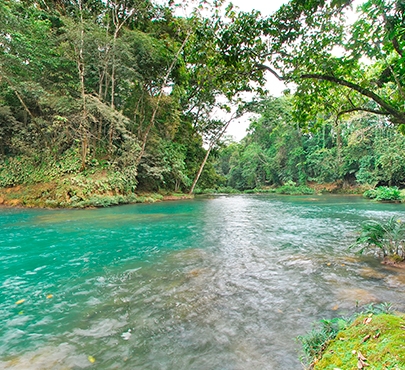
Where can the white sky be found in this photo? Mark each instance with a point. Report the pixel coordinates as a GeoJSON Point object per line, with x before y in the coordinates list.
{"type": "Point", "coordinates": [237, 129]}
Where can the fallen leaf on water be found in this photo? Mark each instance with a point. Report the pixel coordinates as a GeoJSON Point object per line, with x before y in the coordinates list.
{"type": "Point", "coordinates": [334, 308]}
{"type": "Point", "coordinates": [91, 359]}
{"type": "Point", "coordinates": [49, 296]}
{"type": "Point", "coordinates": [328, 264]}
{"type": "Point", "coordinates": [20, 301]}
{"type": "Point", "coordinates": [21, 313]}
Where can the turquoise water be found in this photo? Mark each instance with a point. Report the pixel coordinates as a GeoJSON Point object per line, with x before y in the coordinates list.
{"type": "Point", "coordinates": [221, 283]}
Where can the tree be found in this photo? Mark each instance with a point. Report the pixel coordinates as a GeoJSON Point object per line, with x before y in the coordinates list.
{"type": "Point", "coordinates": [311, 44]}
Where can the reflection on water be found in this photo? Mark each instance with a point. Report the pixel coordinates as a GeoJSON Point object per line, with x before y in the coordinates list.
{"type": "Point", "coordinates": [222, 283]}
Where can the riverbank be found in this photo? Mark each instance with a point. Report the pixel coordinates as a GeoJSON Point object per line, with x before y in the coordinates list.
{"type": "Point", "coordinates": [78, 192]}
{"type": "Point", "coordinates": [101, 189]}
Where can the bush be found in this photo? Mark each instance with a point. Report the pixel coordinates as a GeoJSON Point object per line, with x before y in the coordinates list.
{"type": "Point", "coordinates": [383, 193]}
{"type": "Point", "coordinates": [220, 190]}
{"type": "Point", "coordinates": [291, 188]}
{"type": "Point", "coordinates": [388, 238]}
{"type": "Point", "coordinates": [260, 190]}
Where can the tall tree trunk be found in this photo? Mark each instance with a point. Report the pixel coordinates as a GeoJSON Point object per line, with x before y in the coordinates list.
{"type": "Point", "coordinates": [83, 129]}
{"type": "Point", "coordinates": [118, 25]}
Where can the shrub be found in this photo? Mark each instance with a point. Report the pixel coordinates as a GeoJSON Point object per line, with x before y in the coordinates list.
{"type": "Point", "coordinates": [383, 193]}
{"type": "Point", "coordinates": [388, 238]}
{"type": "Point", "coordinates": [291, 188]}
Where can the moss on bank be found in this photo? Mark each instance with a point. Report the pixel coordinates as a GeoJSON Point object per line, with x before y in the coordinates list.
{"type": "Point", "coordinates": [370, 342]}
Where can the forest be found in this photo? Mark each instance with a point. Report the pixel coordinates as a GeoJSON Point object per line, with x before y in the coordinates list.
{"type": "Point", "coordinates": [108, 99]}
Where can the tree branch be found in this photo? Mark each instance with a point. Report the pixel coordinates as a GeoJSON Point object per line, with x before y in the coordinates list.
{"type": "Point", "coordinates": [398, 115]}
{"type": "Point", "coordinates": [357, 109]}
{"type": "Point", "coordinates": [271, 70]}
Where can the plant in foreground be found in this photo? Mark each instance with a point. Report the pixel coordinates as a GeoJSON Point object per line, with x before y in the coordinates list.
{"type": "Point", "coordinates": [317, 340]}
{"type": "Point", "coordinates": [314, 342]}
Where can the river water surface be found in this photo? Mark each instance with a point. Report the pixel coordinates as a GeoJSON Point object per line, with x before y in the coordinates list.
{"type": "Point", "coordinates": [224, 283]}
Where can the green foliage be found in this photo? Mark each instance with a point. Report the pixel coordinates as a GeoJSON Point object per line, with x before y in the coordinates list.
{"type": "Point", "coordinates": [219, 190]}
{"type": "Point", "coordinates": [383, 193]}
{"type": "Point", "coordinates": [260, 191]}
{"type": "Point", "coordinates": [86, 89]}
{"type": "Point", "coordinates": [292, 188]}
{"type": "Point", "coordinates": [385, 237]}
{"type": "Point", "coordinates": [377, 309]}
{"type": "Point", "coordinates": [29, 170]}
{"type": "Point", "coordinates": [365, 150]}
{"type": "Point", "coordinates": [373, 340]}
{"type": "Point", "coordinates": [314, 342]}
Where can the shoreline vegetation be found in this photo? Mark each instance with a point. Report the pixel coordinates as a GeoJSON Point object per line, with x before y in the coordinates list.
{"type": "Point", "coordinates": [101, 190]}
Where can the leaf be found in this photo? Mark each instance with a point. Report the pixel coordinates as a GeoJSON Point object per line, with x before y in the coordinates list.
{"type": "Point", "coordinates": [20, 301]}
{"type": "Point", "coordinates": [91, 359]}
{"type": "Point", "coordinates": [360, 356]}
{"type": "Point", "coordinates": [365, 339]}
{"type": "Point", "coordinates": [49, 296]}
{"type": "Point", "coordinates": [361, 364]}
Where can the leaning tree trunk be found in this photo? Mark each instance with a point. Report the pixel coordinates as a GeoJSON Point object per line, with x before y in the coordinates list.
{"type": "Point", "coordinates": [212, 143]}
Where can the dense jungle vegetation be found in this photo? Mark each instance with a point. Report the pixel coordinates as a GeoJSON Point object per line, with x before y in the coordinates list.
{"type": "Point", "coordinates": [107, 98]}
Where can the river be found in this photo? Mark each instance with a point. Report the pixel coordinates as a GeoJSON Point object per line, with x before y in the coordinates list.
{"type": "Point", "coordinates": [226, 283]}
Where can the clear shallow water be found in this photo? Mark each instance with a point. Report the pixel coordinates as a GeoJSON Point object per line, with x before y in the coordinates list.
{"type": "Point", "coordinates": [222, 283]}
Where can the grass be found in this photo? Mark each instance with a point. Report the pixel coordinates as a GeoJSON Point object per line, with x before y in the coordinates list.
{"type": "Point", "coordinates": [340, 343]}
{"type": "Point", "coordinates": [371, 341]}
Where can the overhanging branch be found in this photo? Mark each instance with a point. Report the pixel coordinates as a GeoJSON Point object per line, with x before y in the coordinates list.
{"type": "Point", "coordinates": [271, 70]}
{"type": "Point", "coordinates": [359, 109]}
{"type": "Point", "coordinates": [389, 109]}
